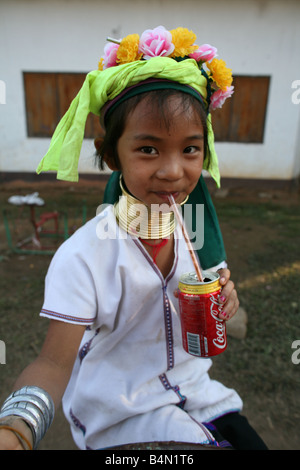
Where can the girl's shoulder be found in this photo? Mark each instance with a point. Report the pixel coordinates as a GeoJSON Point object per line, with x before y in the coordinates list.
{"type": "Point", "coordinates": [91, 230]}
{"type": "Point", "coordinates": [89, 237]}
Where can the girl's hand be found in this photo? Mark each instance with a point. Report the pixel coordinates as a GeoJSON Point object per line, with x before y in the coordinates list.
{"type": "Point", "coordinates": [21, 439]}
{"type": "Point", "coordinates": [228, 297]}
{"type": "Point", "coordinates": [9, 441]}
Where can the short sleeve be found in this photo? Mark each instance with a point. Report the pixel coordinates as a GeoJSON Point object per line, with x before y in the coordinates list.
{"type": "Point", "coordinates": [70, 294]}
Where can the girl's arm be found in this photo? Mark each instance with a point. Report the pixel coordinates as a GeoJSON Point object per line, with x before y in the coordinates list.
{"type": "Point", "coordinates": [51, 371]}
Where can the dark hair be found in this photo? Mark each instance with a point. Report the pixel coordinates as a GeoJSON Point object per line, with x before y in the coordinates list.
{"type": "Point", "coordinates": [116, 120]}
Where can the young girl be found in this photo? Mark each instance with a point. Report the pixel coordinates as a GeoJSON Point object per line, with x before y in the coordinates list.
{"type": "Point", "coordinates": [113, 350]}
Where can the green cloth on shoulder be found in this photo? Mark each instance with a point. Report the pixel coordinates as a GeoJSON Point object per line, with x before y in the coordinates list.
{"type": "Point", "coordinates": [213, 251]}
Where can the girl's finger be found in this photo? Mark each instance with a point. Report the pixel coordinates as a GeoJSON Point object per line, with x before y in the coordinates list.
{"type": "Point", "coordinates": [230, 307]}
{"type": "Point", "coordinates": [224, 274]}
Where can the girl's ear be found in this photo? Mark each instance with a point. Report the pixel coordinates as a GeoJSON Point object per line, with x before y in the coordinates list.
{"type": "Point", "coordinates": [107, 158]}
{"type": "Point", "coordinates": [98, 143]}
{"type": "Point", "coordinates": [110, 164]}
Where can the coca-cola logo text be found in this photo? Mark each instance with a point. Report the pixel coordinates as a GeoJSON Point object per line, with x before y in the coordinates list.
{"type": "Point", "coordinates": [220, 340]}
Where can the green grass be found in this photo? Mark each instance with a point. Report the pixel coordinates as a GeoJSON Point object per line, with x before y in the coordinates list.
{"type": "Point", "coordinates": [262, 242]}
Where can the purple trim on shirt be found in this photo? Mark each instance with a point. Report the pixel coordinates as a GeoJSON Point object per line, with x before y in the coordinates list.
{"type": "Point", "coordinates": [165, 381]}
{"type": "Point", "coordinates": [87, 346]}
{"type": "Point", "coordinates": [61, 316]}
{"type": "Point", "coordinates": [76, 422]}
{"type": "Point", "coordinates": [166, 302]}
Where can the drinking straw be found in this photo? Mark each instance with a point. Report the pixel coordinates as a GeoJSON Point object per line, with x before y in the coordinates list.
{"type": "Point", "coordinates": [186, 237]}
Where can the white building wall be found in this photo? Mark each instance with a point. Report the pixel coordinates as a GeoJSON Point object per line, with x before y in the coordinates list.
{"type": "Point", "coordinates": [257, 37]}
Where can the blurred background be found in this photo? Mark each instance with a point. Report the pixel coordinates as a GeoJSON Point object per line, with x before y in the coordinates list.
{"type": "Point", "coordinates": [46, 49]}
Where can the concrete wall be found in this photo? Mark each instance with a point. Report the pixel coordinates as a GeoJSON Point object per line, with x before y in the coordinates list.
{"type": "Point", "coordinates": [257, 37]}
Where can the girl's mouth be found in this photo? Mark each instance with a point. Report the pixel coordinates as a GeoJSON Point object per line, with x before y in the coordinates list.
{"type": "Point", "coordinates": [164, 195]}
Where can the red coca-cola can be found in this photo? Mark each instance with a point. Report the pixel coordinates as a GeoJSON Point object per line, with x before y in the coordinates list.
{"type": "Point", "coordinates": [203, 332]}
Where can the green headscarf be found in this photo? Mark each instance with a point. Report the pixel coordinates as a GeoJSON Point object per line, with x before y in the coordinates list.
{"type": "Point", "coordinates": [100, 87]}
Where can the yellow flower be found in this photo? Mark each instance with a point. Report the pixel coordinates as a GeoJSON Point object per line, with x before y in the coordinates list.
{"type": "Point", "coordinates": [220, 74]}
{"type": "Point", "coordinates": [100, 64]}
{"type": "Point", "coordinates": [128, 50]}
{"type": "Point", "coordinates": [184, 42]}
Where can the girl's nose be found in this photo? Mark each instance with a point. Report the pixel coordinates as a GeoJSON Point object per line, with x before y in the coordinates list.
{"type": "Point", "coordinates": [170, 169]}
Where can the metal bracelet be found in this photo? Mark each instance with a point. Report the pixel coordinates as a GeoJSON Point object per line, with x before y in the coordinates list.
{"type": "Point", "coordinates": [35, 406]}
{"type": "Point", "coordinates": [37, 391]}
{"type": "Point", "coordinates": [29, 419]}
{"type": "Point", "coordinates": [30, 410]}
{"type": "Point", "coordinates": [22, 400]}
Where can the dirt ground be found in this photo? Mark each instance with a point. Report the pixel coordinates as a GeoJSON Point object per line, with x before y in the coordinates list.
{"type": "Point", "coordinates": [259, 366]}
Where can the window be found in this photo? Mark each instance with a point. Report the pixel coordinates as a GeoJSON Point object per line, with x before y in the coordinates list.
{"type": "Point", "coordinates": [47, 98]}
{"type": "Point", "coordinates": [241, 119]}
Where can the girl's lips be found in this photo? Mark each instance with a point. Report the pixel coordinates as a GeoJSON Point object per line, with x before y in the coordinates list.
{"type": "Point", "coordinates": [165, 194]}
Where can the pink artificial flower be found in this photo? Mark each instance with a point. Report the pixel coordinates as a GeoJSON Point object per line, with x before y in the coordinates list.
{"type": "Point", "coordinates": [204, 53]}
{"type": "Point", "coordinates": [110, 55]}
{"type": "Point", "coordinates": [219, 97]}
{"type": "Point", "coordinates": [156, 42]}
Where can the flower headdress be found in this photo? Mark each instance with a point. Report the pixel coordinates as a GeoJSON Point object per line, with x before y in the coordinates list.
{"type": "Point", "coordinates": [158, 54]}
{"type": "Point", "coordinates": [178, 44]}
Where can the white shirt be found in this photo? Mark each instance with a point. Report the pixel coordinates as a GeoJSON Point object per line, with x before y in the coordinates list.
{"type": "Point", "coordinates": [131, 368]}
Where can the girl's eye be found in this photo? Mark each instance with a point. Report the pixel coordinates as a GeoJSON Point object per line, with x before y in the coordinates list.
{"type": "Point", "coordinates": [191, 149]}
{"type": "Point", "coordinates": [148, 150]}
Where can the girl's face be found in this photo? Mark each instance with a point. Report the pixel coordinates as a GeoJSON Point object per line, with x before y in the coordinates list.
{"type": "Point", "coordinates": [158, 156]}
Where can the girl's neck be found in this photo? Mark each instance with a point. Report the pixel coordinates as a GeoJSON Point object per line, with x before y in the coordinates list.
{"type": "Point", "coordinates": [139, 220]}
